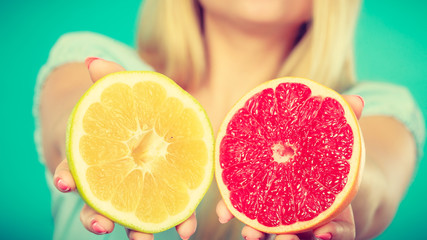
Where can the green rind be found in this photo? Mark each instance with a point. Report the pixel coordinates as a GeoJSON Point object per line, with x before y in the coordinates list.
{"type": "Point", "coordinates": [73, 169]}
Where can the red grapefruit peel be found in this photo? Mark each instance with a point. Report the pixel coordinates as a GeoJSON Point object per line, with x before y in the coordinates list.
{"type": "Point", "coordinates": [289, 156]}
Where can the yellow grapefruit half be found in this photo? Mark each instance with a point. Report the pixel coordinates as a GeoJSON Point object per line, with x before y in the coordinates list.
{"type": "Point", "coordinates": [140, 149]}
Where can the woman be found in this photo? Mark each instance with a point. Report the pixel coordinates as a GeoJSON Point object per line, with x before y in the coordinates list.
{"type": "Point", "coordinates": [218, 50]}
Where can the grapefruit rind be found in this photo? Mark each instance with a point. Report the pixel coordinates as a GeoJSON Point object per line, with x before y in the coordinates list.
{"type": "Point", "coordinates": [343, 199]}
{"type": "Point", "coordinates": [78, 167]}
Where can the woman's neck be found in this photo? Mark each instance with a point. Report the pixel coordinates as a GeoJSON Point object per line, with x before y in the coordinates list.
{"type": "Point", "coordinates": [239, 58]}
{"type": "Point", "coordinates": [243, 56]}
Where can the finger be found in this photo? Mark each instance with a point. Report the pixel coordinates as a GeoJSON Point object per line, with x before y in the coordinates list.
{"type": "Point", "coordinates": [250, 233]}
{"type": "Point", "coordinates": [342, 227]}
{"type": "Point", "coordinates": [134, 235]}
{"type": "Point", "coordinates": [224, 215]}
{"type": "Point", "coordinates": [187, 228]}
{"type": "Point", "coordinates": [62, 178]}
{"type": "Point", "coordinates": [356, 103]}
{"type": "Point", "coordinates": [99, 67]}
{"type": "Point", "coordinates": [287, 237]}
{"type": "Point", "coordinates": [95, 222]}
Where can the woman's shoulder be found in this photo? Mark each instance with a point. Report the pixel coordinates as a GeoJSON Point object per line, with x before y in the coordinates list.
{"type": "Point", "coordinates": [382, 93]}
{"type": "Point", "coordinates": [394, 100]}
{"type": "Point", "coordinates": [77, 46]}
{"type": "Point", "coordinates": [86, 37]}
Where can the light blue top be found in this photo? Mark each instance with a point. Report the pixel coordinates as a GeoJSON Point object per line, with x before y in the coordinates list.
{"type": "Point", "coordinates": [380, 99]}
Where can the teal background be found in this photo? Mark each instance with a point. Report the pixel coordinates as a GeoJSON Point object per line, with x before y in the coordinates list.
{"type": "Point", "coordinates": [390, 46]}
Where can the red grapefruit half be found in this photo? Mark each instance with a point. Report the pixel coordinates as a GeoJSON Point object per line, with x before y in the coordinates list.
{"type": "Point", "coordinates": [289, 156]}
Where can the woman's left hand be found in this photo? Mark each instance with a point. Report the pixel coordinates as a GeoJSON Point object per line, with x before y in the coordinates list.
{"type": "Point", "coordinates": [340, 228]}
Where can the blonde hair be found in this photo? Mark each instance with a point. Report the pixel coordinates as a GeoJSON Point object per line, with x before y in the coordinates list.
{"type": "Point", "coordinates": [170, 38]}
{"type": "Point", "coordinates": [325, 53]}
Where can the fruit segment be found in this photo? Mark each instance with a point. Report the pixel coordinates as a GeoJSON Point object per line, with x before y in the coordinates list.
{"type": "Point", "coordinates": [186, 125]}
{"type": "Point", "coordinates": [236, 151]}
{"type": "Point", "coordinates": [150, 208]}
{"type": "Point", "coordinates": [129, 196]}
{"type": "Point", "coordinates": [175, 197]}
{"type": "Point", "coordinates": [105, 178]}
{"type": "Point", "coordinates": [167, 115]}
{"type": "Point", "coordinates": [97, 121]}
{"type": "Point", "coordinates": [190, 157]}
{"type": "Point", "coordinates": [118, 99]}
{"type": "Point", "coordinates": [244, 126]}
{"type": "Point", "coordinates": [148, 96]}
{"type": "Point", "coordinates": [263, 109]}
{"type": "Point", "coordinates": [95, 150]}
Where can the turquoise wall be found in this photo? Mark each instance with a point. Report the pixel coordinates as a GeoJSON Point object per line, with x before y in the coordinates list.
{"type": "Point", "coordinates": [391, 46]}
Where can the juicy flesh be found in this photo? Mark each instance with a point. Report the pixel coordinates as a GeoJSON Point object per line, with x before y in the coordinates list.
{"type": "Point", "coordinates": [144, 150]}
{"type": "Point", "coordinates": [285, 155]}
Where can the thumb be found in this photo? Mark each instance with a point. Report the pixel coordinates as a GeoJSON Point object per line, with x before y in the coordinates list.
{"type": "Point", "coordinates": [356, 103]}
{"type": "Point", "coordinates": [342, 227]}
{"type": "Point", "coordinates": [99, 67]}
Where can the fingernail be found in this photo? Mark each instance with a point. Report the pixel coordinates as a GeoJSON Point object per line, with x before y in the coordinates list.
{"type": "Point", "coordinates": [98, 228]}
{"type": "Point", "coordinates": [222, 220]}
{"type": "Point", "coordinates": [361, 99]}
{"type": "Point", "coordinates": [89, 61]}
{"type": "Point", "coordinates": [62, 186]}
{"type": "Point", "coordinates": [325, 236]}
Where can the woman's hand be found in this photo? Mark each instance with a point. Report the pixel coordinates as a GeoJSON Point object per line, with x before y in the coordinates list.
{"type": "Point", "coordinates": [64, 182]}
{"type": "Point", "coordinates": [340, 228]}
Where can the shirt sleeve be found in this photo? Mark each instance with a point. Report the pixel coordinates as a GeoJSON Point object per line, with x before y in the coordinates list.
{"type": "Point", "coordinates": [392, 100]}
{"type": "Point", "coordinates": [76, 47]}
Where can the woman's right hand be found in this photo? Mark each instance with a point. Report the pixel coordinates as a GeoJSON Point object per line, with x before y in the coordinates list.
{"type": "Point", "coordinates": [64, 182]}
